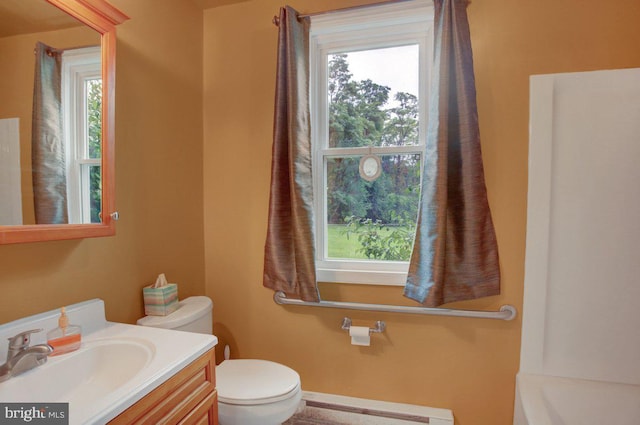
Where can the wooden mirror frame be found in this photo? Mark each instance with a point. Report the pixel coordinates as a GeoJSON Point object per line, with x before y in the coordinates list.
{"type": "Point", "coordinates": [102, 17]}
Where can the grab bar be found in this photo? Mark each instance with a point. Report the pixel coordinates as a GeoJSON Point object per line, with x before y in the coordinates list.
{"type": "Point", "coordinates": [507, 312]}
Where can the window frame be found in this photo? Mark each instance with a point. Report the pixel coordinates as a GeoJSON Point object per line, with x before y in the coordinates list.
{"type": "Point", "coordinates": [78, 66]}
{"type": "Point", "coordinates": [389, 25]}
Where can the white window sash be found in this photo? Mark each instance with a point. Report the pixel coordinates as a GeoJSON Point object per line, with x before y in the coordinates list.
{"type": "Point", "coordinates": [78, 66]}
{"type": "Point", "coordinates": [391, 25]}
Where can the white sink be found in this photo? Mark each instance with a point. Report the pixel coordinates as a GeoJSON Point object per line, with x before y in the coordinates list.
{"type": "Point", "coordinates": [116, 365]}
{"type": "Point", "coordinates": [97, 369]}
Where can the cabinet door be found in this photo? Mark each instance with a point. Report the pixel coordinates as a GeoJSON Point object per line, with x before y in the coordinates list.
{"type": "Point", "coordinates": [206, 413]}
{"type": "Point", "coordinates": [188, 397]}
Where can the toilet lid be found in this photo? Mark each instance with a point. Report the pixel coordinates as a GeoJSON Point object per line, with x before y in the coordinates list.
{"type": "Point", "coordinates": [255, 382]}
{"type": "Point", "coordinates": [189, 310]}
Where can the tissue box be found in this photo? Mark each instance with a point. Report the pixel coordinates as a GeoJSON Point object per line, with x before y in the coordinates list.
{"type": "Point", "coordinates": [160, 301]}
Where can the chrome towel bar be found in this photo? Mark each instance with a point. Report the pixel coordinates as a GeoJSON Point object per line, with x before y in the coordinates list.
{"type": "Point", "coordinates": [507, 312]}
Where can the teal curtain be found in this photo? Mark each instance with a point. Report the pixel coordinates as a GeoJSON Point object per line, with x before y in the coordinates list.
{"type": "Point", "coordinates": [455, 254]}
{"type": "Point", "coordinates": [289, 258]}
{"type": "Point", "coordinates": [47, 143]}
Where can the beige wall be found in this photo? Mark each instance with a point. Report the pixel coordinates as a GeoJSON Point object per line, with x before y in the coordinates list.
{"type": "Point", "coordinates": [158, 185]}
{"type": "Point", "coordinates": [463, 364]}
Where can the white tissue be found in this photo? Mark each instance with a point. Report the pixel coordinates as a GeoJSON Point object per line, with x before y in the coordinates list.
{"type": "Point", "coordinates": [360, 335]}
{"type": "Point", "coordinates": [160, 281]}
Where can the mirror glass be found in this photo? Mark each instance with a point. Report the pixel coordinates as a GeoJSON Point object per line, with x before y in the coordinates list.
{"type": "Point", "coordinates": [50, 142]}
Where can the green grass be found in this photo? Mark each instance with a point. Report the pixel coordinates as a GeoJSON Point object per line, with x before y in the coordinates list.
{"type": "Point", "coordinates": [340, 246]}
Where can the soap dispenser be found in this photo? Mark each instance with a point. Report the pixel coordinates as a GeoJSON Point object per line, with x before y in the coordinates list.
{"type": "Point", "coordinates": [65, 338]}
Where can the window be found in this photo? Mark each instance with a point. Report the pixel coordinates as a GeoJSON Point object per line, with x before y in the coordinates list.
{"type": "Point", "coordinates": [369, 80]}
{"type": "Point", "coordinates": [82, 114]}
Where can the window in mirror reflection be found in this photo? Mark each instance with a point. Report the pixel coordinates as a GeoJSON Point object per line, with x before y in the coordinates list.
{"type": "Point", "coordinates": [82, 111]}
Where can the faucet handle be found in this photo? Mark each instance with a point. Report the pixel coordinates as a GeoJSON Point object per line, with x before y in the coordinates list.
{"type": "Point", "coordinates": [22, 340]}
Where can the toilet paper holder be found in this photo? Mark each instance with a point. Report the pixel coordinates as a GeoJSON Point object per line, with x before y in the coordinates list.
{"type": "Point", "coordinates": [379, 327]}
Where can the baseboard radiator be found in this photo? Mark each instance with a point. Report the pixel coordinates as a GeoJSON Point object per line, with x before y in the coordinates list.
{"type": "Point", "coordinates": [329, 409]}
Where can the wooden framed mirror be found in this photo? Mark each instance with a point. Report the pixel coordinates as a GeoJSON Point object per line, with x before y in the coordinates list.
{"type": "Point", "coordinates": [80, 35]}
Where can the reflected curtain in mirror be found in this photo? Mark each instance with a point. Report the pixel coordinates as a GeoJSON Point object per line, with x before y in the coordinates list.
{"type": "Point", "coordinates": [289, 259]}
{"type": "Point", "coordinates": [455, 254]}
{"type": "Point", "coordinates": [48, 150]}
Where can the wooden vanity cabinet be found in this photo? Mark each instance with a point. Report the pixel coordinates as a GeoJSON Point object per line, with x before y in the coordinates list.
{"type": "Point", "coordinates": [188, 397]}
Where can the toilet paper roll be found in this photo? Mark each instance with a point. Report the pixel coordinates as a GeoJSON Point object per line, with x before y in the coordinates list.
{"type": "Point", "coordinates": [360, 335]}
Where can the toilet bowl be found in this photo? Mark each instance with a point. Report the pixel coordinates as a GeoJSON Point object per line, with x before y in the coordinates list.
{"type": "Point", "coordinates": [250, 392]}
{"type": "Point", "coordinates": [256, 392]}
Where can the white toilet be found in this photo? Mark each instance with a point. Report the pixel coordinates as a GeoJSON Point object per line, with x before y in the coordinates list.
{"type": "Point", "coordinates": [250, 392]}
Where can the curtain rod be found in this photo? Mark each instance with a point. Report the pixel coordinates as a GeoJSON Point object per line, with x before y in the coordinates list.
{"type": "Point", "coordinates": [276, 19]}
{"type": "Point", "coordinates": [507, 312]}
{"type": "Point", "coordinates": [51, 50]}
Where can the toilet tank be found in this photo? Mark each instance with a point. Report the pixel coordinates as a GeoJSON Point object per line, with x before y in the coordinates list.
{"type": "Point", "coordinates": [194, 314]}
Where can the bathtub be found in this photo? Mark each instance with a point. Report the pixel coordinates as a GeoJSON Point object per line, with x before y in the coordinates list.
{"type": "Point", "coordinates": [548, 400]}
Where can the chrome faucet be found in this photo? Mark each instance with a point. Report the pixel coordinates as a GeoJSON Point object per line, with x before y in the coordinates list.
{"type": "Point", "coordinates": [21, 357]}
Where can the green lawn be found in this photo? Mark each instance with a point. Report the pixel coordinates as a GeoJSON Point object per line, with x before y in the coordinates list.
{"type": "Point", "coordinates": [340, 246]}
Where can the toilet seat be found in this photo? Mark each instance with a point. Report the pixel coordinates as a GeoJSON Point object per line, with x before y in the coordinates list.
{"type": "Point", "coordinates": [255, 382]}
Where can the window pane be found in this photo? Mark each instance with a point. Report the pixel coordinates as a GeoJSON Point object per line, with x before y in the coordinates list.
{"type": "Point", "coordinates": [94, 117]}
{"type": "Point", "coordinates": [372, 220]}
{"type": "Point", "coordinates": [373, 97]}
{"type": "Point", "coordinates": [95, 193]}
